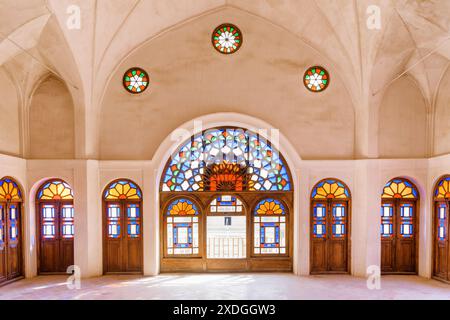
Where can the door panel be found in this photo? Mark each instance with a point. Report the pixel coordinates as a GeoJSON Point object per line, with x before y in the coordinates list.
{"type": "Point", "coordinates": [123, 238]}
{"type": "Point", "coordinates": [3, 244]}
{"type": "Point", "coordinates": [398, 236]}
{"type": "Point", "coordinates": [56, 229]}
{"type": "Point", "coordinates": [441, 241]}
{"type": "Point", "coordinates": [14, 258]}
{"type": "Point", "coordinates": [329, 237]}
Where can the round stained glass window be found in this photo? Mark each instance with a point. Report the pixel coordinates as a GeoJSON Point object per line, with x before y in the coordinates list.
{"type": "Point", "coordinates": [227, 38]}
{"type": "Point", "coordinates": [136, 80]}
{"type": "Point", "coordinates": [316, 79]}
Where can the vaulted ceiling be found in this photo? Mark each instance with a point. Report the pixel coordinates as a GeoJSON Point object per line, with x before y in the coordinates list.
{"type": "Point", "coordinates": [414, 40]}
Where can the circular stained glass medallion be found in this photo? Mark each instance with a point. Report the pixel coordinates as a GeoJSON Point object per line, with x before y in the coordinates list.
{"type": "Point", "coordinates": [136, 80]}
{"type": "Point", "coordinates": [316, 79]}
{"type": "Point", "coordinates": [227, 38]}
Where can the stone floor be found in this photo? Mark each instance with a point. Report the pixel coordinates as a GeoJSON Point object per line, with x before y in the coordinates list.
{"type": "Point", "coordinates": [226, 286]}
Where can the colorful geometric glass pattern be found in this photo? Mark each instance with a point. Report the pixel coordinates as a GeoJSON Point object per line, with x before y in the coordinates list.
{"type": "Point", "coordinates": [48, 222]}
{"type": "Point", "coordinates": [67, 222]}
{"type": "Point", "coordinates": [319, 220]}
{"type": "Point", "coordinates": [443, 189]}
{"type": "Point", "coordinates": [269, 207]}
{"type": "Point", "coordinates": [406, 220]}
{"type": "Point", "coordinates": [226, 204]}
{"type": "Point", "coordinates": [9, 190]}
{"type": "Point", "coordinates": [316, 79]}
{"type": "Point", "coordinates": [13, 226]}
{"type": "Point", "coordinates": [134, 220]}
{"type": "Point", "coordinates": [399, 189]}
{"type": "Point", "coordinates": [114, 221]}
{"type": "Point", "coordinates": [387, 220]}
{"type": "Point", "coordinates": [269, 227]}
{"type": "Point", "coordinates": [55, 190]}
{"type": "Point", "coordinates": [182, 207]}
{"type": "Point", "coordinates": [339, 220]}
{"type": "Point", "coordinates": [135, 80]}
{"type": "Point", "coordinates": [264, 166]}
{"type": "Point", "coordinates": [182, 228]}
{"type": "Point", "coordinates": [442, 221]}
{"type": "Point", "coordinates": [227, 38]}
{"type": "Point", "coordinates": [123, 190]}
{"type": "Point", "coordinates": [330, 189]}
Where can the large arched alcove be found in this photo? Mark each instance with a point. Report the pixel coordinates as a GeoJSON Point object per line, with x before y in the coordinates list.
{"type": "Point", "coordinates": [226, 173]}
{"type": "Point", "coordinates": [264, 75]}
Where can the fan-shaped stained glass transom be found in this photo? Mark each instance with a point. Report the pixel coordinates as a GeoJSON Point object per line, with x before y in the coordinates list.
{"type": "Point", "coordinates": [182, 207]}
{"type": "Point", "coordinates": [399, 189]}
{"type": "Point", "coordinates": [226, 159]}
{"type": "Point", "coordinates": [123, 190]}
{"type": "Point", "coordinates": [443, 189]}
{"type": "Point", "coordinates": [55, 190]}
{"type": "Point", "coordinates": [330, 189]}
{"type": "Point", "coordinates": [9, 190]}
{"type": "Point", "coordinates": [268, 207]}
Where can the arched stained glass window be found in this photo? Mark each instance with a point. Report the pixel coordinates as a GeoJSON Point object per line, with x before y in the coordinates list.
{"type": "Point", "coordinates": [123, 190]}
{"type": "Point", "coordinates": [228, 159]}
{"type": "Point", "coordinates": [330, 189]}
{"type": "Point", "coordinates": [269, 227]}
{"type": "Point", "coordinates": [55, 190]}
{"type": "Point", "coordinates": [316, 79]}
{"type": "Point", "coordinates": [399, 189]}
{"type": "Point", "coordinates": [136, 80]}
{"type": "Point", "coordinates": [227, 38]}
{"type": "Point", "coordinates": [9, 190]}
{"type": "Point", "coordinates": [182, 228]}
{"type": "Point", "coordinates": [443, 189]}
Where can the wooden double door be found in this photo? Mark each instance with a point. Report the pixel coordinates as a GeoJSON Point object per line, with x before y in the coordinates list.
{"type": "Point", "coordinates": [56, 236]}
{"type": "Point", "coordinates": [441, 267]}
{"type": "Point", "coordinates": [330, 228]}
{"type": "Point", "coordinates": [122, 237]}
{"type": "Point", "coordinates": [398, 236]}
{"type": "Point", "coordinates": [10, 242]}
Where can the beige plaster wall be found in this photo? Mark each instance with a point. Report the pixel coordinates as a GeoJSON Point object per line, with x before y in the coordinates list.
{"type": "Point", "coordinates": [51, 122]}
{"type": "Point", "coordinates": [10, 142]}
{"type": "Point", "coordinates": [442, 117]}
{"type": "Point", "coordinates": [403, 121]}
{"type": "Point", "coordinates": [190, 79]}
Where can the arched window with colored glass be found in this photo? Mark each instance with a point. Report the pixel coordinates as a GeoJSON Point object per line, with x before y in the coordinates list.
{"type": "Point", "coordinates": [56, 230]}
{"type": "Point", "coordinates": [11, 261]}
{"type": "Point", "coordinates": [270, 233]}
{"type": "Point", "coordinates": [330, 227]}
{"type": "Point", "coordinates": [225, 172]}
{"type": "Point", "coordinates": [441, 250]}
{"type": "Point", "coordinates": [182, 229]}
{"type": "Point", "coordinates": [122, 231]}
{"type": "Point", "coordinates": [399, 222]}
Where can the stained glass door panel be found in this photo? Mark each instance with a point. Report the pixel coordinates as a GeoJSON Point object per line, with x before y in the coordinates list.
{"type": "Point", "coordinates": [3, 245]}
{"type": "Point", "coordinates": [388, 232]}
{"type": "Point", "coordinates": [14, 266]}
{"type": "Point", "coordinates": [405, 258]}
{"type": "Point", "coordinates": [441, 241]}
{"type": "Point", "coordinates": [123, 238]}
{"type": "Point", "coordinates": [56, 251]}
{"type": "Point", "coordinates": [329, 238]}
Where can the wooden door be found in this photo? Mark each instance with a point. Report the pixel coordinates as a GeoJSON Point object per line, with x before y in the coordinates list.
{"type": "Point", "coordinates": [3, 245]}
{"type": "Point", "coordinates": [122, 237]}
{"type": "Point", "coordinates": [56, 231]}
{"type": "Point", "coordinates": [10, 241]}
{"type": "Point", "coordinates": [441, 242]}
{"type": "Point", "coordinates": [398, 236]}
{"type": "Point", "coordinates": [329, 237]}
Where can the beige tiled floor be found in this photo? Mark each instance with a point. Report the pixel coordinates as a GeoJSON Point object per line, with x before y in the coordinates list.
{"type": "Point", "coordinates": [226, 286]}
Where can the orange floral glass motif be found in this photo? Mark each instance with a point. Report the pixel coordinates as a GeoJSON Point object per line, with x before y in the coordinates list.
{"type": "Point", "coordinates": [399, 189]}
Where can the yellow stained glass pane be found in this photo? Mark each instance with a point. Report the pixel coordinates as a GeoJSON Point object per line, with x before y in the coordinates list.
{"type": "Point", "coordinates": [399, 189]}
{"type": "Point", "coordinates": [443, 190]}
{"type": "Point", "coordinates": [123, 190]}
{"type": "Point", "coordinates": [56, 190]}
{"type": "Point", "coordinates": [9, 190]}
{"type": "Point", "coordinates": [330, 189]}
